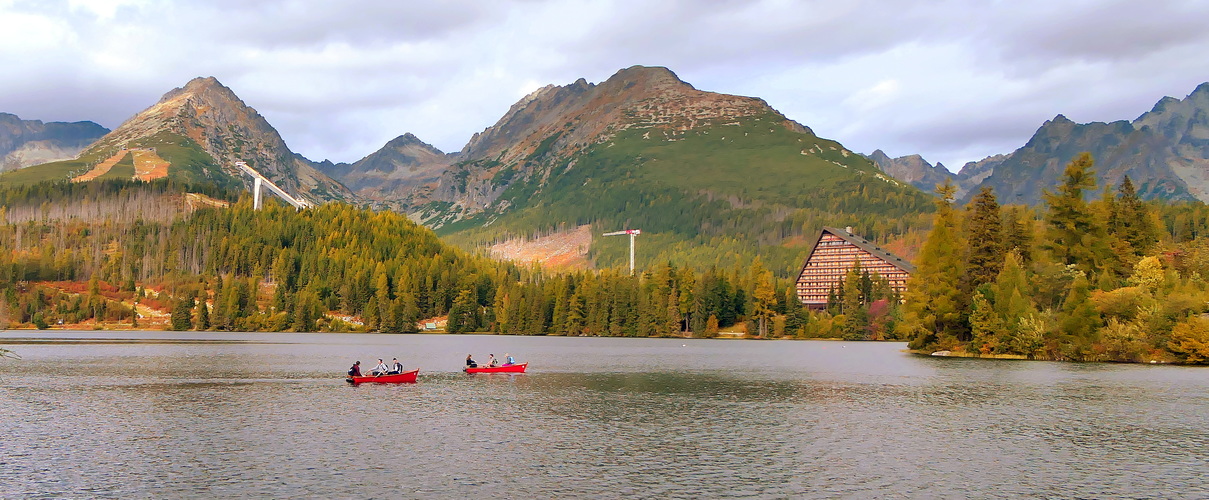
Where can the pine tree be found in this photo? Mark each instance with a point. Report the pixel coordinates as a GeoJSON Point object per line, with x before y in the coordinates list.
{"type": "Point", "coordinates": [1078, 322]}
{"type": "Point", "coordinates": [856, 318]}
{"type": "Point", "coordinates": [1133, 219]}
{"type": "Point", "coordinates": [687, 283]}
{"type": "Point", "coordinates": [219, 318]}
{"type": "Point", "coordinates": [410, 315]}
{"type": "Point", "coordinates": [1074, 236]}
{"type": "Point", "coordinates": [1018, 232]}
{"type": "Point", "coordinates": [986, 327]}
{"type": "Point", "coordinates": [711, 327]}
{"type": "Point", "coordinates": [984, 232]}
{"type": "Point", "coordinates": [306, 311]}
{"type": "Point", "coordinates": [203, 315]}
{"type": "Point", "coordinates": [182, 314]}
{"type": "Point", "coordinates": [934, 307]}
{"type": "Point", "coordinates": [461, 315]}
{"type": "Point", "coordinates": [673, 313]}
{"type": "Point", "coordinates": [763, 297]}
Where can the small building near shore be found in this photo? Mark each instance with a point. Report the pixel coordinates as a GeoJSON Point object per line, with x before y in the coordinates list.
{"type": "Point", "coordinates": [834, 253]}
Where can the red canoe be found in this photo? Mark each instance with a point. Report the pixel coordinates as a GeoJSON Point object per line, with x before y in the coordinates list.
{"type": "Point", "coordinates": [405, 377]}
{"type": "Point", "coordinates": [517, 368]}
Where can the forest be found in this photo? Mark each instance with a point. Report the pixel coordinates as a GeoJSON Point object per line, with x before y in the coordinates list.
{"type": "Point", "coordinates": [1112, 279]}
{"type": "Point", "coordinates": [334, 268]}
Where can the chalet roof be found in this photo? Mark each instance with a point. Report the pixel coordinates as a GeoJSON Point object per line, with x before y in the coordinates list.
{"type": "Point", "coordinates": [863, 244]}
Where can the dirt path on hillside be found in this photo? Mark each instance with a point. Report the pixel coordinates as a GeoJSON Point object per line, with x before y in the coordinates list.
{"type": "Point", "coordinates": [102, 168]}
{"type": "Point", "coordinates": [148, 166]}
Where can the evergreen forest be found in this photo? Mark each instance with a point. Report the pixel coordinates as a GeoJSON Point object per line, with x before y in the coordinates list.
{"type": "Point", "coordinates": [67, 260]}
{"type": "Point", "coordinates": [1093, 275]}
{"type": "Point", "coordinates": [1110, 279]}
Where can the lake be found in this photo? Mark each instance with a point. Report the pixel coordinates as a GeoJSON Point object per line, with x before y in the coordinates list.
{"type": "Point", "coordinates": [169, 415]}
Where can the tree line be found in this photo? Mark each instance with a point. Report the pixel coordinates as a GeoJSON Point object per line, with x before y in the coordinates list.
{"type": "Point", "coordinates": [342, 268]}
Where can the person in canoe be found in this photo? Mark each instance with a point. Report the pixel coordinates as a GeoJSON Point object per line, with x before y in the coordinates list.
{"type": "Point", "coordinates": [508, 360]}
{"type": "Point", "coordinates": [491, 361]}
{"type": "Point", "coordinates": [395, 367]}
{"type": "Point", "coordinates": [380, 369]}
{"type": "Point", "coordinates": [470, 362]}
{"type": "Point", "coordinates": [355, 371]}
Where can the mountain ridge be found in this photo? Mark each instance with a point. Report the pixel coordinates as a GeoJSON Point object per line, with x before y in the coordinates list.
{"type": "Point", "coordinates": [30, 142]}
{"type": "Point", "coordinates": [645, 149]}
{"type": "Point", "coordinates": [1164, 151]}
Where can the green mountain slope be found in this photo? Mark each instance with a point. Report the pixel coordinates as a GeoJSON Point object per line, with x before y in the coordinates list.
{"type": "Point", "coordinates": [711, 195]}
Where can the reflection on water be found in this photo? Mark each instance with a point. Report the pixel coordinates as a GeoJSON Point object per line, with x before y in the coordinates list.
{"type": "Point", "coordinates": [171, 415]}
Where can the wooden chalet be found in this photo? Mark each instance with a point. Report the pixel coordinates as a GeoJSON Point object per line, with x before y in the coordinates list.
{"type": "Point", "coordinates": [834, 254]}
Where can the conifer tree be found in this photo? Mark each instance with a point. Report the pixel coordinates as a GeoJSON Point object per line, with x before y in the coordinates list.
{"type": "Point", "coordinates": [1011, 296]}
{"type": "Point", "coordinates": [711, 327]}
{"type": "Point", "coordinates": [856, 319]}
{"type": "Point", "coordinates": [687, 287]}
{"type": "Point", "coordinates": [182, 314]}
{"type": "Point", "coordinates": [1074, 236]}
{"type": "Point", "coordinates": [1078, 321]}
{"type": "Point", "coordinates": [461, 315]}
{"type": "Point", "coordinates": [203, 316]}
{"type": "Point", "coordinates": [934, 307]}
{"type": "Point", "coordinates": [984, 232]}
{"type": "Point", "coordinates": [306, 311]}
{"type": "Point", "coordinates": [1133, 221]}
{"type": "Point", "coordinates": [986, 327]}
{"type": "Point", "coordinates": [575, 319]}
{"type": "Point", "coordinates": [410, 315]}
{"type": "Point", "coordinates": [763, 297]}
{"type": "Point", "coordinates": [1018, 232]}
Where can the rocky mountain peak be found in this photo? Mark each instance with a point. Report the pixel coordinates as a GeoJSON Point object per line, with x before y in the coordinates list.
{"type": "Point", "coordinates": [228, 130]}
{"type": "Point", "coordinates": [647, 78]}
{"type": "Point", "coordinates": [1060, 119]}
{"type": "Point", "coordinates": [913, 169]}
{"type": "Point", "coordinates": [410, 139]}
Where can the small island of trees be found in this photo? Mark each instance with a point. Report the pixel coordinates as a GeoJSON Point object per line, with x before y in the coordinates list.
{"type": "Point", "coordinates": [1085, 281]}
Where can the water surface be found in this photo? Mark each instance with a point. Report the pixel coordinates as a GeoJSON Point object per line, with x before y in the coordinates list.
{"type": "Point", "coordinates": [164, 414]}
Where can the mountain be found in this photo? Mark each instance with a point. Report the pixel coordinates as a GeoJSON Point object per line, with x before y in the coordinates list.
{"type": "Point", "coordinates": [30, 142]}
{"type": "Point", "coordinates": [1165, 151]}
{"type": "Point", "coordinates": [912, 169]}
{"type": "Point", "coordinates": [195, 133]}
{"type": "Point", "coordinates": [404, 164]}
{"type": "Point", "coordinates": [708, 177]}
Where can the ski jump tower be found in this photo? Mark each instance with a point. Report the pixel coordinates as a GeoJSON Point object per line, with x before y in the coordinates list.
{"type": "Point", "coordinates": [259, 181]}
{"type": "Point", "coordinates": [633, 233]}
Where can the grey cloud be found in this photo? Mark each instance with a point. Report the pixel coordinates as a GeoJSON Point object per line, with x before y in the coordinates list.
{"type": "Point", "coordinates": [1102, 30]}
{"type": "Point", "coordinates": [339, 79]}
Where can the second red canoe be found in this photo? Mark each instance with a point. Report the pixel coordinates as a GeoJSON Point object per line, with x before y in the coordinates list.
{"type": "Point", "coordinates": [517, 368]}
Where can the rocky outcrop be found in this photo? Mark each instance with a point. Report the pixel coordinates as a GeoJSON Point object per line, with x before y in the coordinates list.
{"type": "Point", "coordinates": [913, 169]}
{"type": "Point", "coordinates": [31, 142]}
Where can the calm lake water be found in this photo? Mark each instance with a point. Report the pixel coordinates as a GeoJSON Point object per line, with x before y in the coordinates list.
{"type": "Point", "coordinates": [169, 415]}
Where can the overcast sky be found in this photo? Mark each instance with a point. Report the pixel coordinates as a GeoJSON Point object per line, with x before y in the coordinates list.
{"type": "Point", "coordinates": [954, 81]}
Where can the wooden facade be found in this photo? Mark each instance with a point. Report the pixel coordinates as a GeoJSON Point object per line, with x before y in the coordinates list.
{"type": "Point", "coordinates": [834, 254]}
